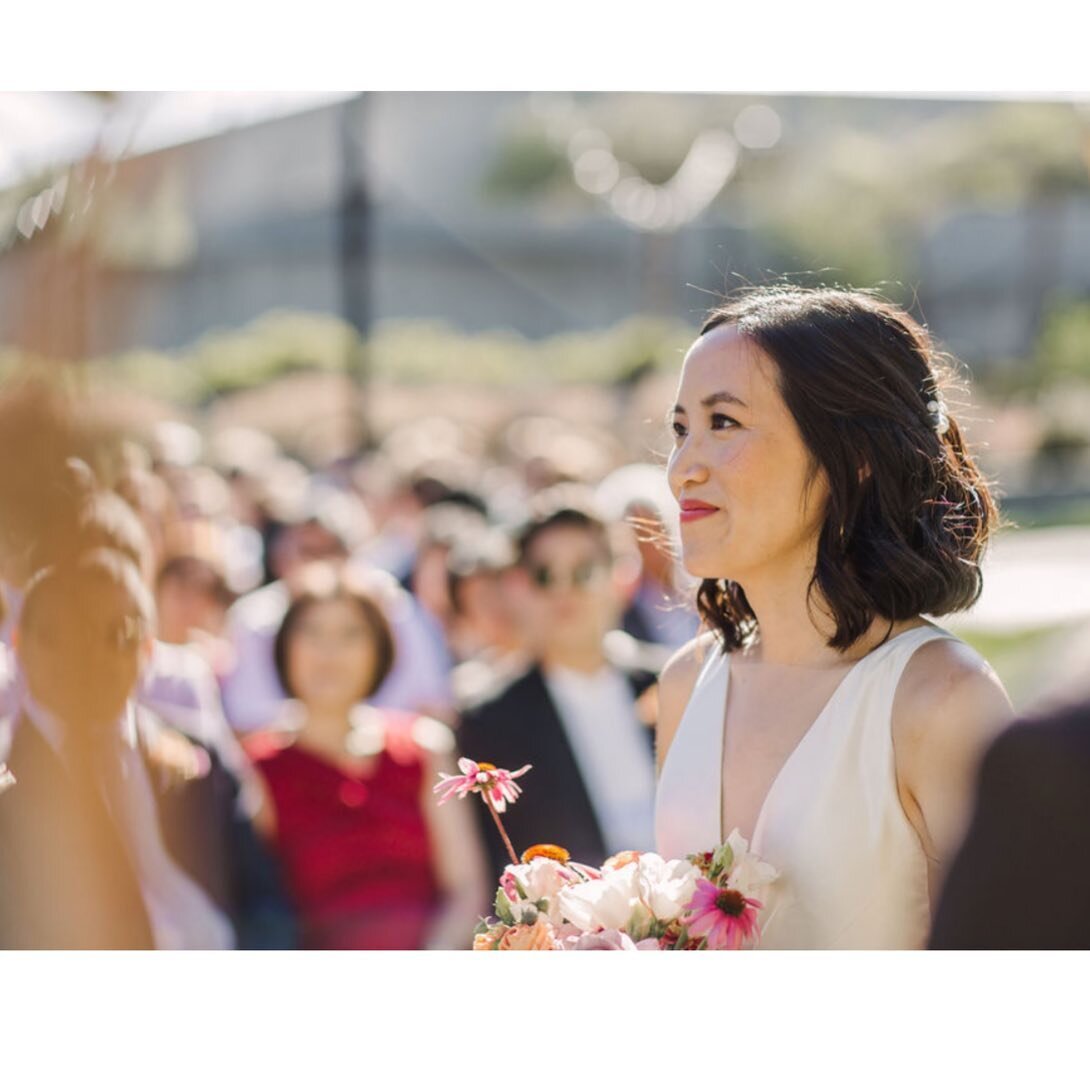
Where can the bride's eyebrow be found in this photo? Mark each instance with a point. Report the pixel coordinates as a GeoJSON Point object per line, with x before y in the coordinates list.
{"type": "Point", "coordinates": [718, 398]}
{"type": "Point", "coordinates": [721, 396]}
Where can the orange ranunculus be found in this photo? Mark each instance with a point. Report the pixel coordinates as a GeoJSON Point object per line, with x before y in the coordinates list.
{"type": "Point", "coordinates": [621, 859]}
{"type": "Point", "coordinates": [487, 939]}
{"type": "Point", "coordinates": [546, 851]}
{"type": "Point", "coordinates": [536, 936]}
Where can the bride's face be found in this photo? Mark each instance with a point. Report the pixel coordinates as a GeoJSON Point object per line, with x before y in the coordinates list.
{"type": "Point", "coordinates": [737, 450]}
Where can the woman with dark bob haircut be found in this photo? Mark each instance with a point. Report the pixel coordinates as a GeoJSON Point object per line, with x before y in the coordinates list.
{"type": "Point", "coordinates": [827, 504]}
{"type": "Point", "coordinates": [369, 859]}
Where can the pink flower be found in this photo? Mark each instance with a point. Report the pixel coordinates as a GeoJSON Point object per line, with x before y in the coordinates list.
{"type": "Point", "coordinates": [496, 784]}
{"type": "Point", "coordinates": [723, 917]}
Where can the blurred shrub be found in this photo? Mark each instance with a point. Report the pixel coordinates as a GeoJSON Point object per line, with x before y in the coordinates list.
{"type": "Point", "coordinates": [403, 353]}
{"type": "Point", "coordinates": [1063, 349]}
{"type": "Point", "coordinates": [224, 361]}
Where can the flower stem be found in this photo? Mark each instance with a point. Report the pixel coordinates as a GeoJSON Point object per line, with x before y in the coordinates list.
{"type": "Point", "coordinates": [499, 825]}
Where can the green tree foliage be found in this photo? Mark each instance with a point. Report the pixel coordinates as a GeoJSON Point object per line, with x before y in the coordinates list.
{"type": "Point", "coordinates": [526, 164]}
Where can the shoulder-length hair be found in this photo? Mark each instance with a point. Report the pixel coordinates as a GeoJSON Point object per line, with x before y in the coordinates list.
{"type": "Point", "coordinates": [909, 513]}
{"type": "Point", "coordinates": [322, 582]}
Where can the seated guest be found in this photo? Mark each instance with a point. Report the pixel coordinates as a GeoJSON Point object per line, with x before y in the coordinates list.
{"type": "Point", "coordinates": [206, 792]}
{"type": "Point", "coordinates": [208, 810]}
{"type": "Point", "coordinates": [573, 714]}
{"type": "Point", "coordinates": [445, 526]}
{"type": "Point", "coordinates": [81, 852]}
{"type": "Point", "coordinates": [192, 598]}
{"type": "Point", "coordinates": [370, 859]}
{"type": "Point", "coordinates": [253, 696]}
{"type": "Point", "coordinates": [1032, 816]}
{"type": "Point", "coordinates": [483, 626]}
{"type": "Point", "coordinates": [176, 683]}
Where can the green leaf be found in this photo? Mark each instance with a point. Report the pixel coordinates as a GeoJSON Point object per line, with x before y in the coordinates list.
{"type": "Point", "coordinates": [723, 859]}
{"type": "Point", "coordinates": [682, 939]}
{"type": "Point", "coordinates": [503, 908]}
{"type": "Point", "coordinates": [637, 928]}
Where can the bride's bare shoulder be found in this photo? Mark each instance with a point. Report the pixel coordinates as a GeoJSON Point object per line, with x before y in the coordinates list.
{"type": "Point", "coordinates": [676, 685]}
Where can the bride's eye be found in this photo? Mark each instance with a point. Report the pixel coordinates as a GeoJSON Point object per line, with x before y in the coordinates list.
{"type": "Point", "coordinates": [678, 429]}
{"type": "Point", "coordinates": [720, 422]}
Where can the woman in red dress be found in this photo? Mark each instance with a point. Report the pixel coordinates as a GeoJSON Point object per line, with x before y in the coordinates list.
{"type": "Point", "coordinates": [369, 858]}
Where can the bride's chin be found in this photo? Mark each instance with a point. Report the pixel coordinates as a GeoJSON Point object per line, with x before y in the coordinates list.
{"type": "Point", "coordinates": [703, 568]}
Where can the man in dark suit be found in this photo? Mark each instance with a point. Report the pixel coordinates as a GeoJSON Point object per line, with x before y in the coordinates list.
{"type": "Point", "coordinates": [1021, 880]}
{"type": "Point", "coordinates": [583, 713]}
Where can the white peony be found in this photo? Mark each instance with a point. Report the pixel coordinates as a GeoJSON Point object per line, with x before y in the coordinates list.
{"type": "Point", "coordinates": [540, 878]}
{"type": "Point", "coordinates": [608, 903]}
{"type": "Point", "coordinates": [666, 885]}
{"type": "Point", "coordinates": [749, 874]}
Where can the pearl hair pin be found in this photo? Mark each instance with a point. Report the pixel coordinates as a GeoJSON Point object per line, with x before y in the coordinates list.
{"type": "Point", "coordinates": [940, 418]}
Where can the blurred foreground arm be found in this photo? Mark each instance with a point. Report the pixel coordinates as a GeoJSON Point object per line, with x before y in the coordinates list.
{"type": "Point", "coordinates": [1022, 877]}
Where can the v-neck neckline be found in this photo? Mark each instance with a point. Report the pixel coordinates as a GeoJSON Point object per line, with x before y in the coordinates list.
{"type": "Point", "coordinates": [811, 730]}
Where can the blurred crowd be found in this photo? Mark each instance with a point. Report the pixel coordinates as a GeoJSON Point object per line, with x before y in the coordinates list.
{"type": "Point", "coordinates": [230, 680]}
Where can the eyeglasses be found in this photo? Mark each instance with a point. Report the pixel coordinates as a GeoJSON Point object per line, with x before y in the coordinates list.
{"type": "Point", "coordinates": [582, 575]}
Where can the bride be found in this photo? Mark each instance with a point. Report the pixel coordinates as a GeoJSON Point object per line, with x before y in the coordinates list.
{"type": "Point", "coordinates": [827, 503]}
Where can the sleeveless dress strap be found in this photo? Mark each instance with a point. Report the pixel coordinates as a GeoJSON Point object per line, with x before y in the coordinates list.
{"type": "Point", "coordinates": [687, 795]}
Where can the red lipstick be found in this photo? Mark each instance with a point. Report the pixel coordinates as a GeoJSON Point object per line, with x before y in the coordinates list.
{"type": "Point", "coordinates": [695, 509]}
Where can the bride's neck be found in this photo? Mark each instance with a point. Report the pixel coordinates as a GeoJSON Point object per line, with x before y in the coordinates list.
{"type": "Point", "coordinates": [790, 633]}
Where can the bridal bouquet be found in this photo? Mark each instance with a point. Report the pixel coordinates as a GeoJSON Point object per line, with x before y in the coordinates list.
{"type": "Point", "coordinates": [636, 901]}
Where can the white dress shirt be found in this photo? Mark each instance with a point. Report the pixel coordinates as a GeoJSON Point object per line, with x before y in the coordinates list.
{"type": "Point", "coordinates": [611, 748]}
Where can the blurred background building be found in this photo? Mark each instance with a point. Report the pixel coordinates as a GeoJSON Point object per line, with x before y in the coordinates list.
{"type": "Point", "coordinates": [497, 211]}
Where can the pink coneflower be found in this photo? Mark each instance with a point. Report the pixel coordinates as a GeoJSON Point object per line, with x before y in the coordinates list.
{"type": "Point", "coordinates": [496, 787]}
{"type": "Point", "coordinates": [495, 784]}
{"type": "Point", "coordinates": [723, 917]}
{"type": "Point", "coordinates": [500, 786]}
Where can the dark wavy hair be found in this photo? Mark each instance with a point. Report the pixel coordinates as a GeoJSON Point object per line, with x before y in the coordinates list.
{"type": "Point", "coordinates": [865, 385]}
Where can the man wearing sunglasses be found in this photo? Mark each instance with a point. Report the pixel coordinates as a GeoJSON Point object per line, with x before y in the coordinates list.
{"type": "Point", "coordinates": [574, 714]}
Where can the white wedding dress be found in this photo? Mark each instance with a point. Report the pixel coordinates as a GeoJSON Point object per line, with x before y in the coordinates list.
{"type": "Point", "coordinates": [853, 874]}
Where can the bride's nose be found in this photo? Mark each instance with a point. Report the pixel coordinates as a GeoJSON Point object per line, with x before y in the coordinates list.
{"type": "Point", "coordinates": [686, 468]}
